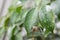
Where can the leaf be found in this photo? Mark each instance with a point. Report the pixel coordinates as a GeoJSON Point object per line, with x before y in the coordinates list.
{"type": "Point", "coordinates": [19, 36]}
{"type": "Point", "coordinates": [46, 33]}
{"type": "Point", "coordinates": [14, 33]}
{"type": "Point", "coordinates": [31, 19]}
{"type": "Point", "coordinates": [18, 9]}
{"type": "Point", "coordinates": [6, 23]}
{"type": "Point", "coordinates": [13, 5]}
{"type": "Point", "coordinates": [16, 37]}
{"type": "Point", "coordinates": [47, 19]}
{"type": "Point", "coordinates": [14, 16]}
{"type": "Point", "coordinates": [21, 17]}
{"type": "Point", "coordinates": [11, 8]}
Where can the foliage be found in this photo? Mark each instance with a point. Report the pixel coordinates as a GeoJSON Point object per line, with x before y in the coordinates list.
{"type": "Point", "coordinates": [19, 16]}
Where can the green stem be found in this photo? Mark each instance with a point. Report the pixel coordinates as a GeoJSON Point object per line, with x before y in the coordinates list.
{"type": "Point", "coordinates": [53, 38]}
{"type": "Point", "coordinates": [33, 37]}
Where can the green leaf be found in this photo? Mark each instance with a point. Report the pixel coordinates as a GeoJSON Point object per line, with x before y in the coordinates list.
{"type": "Point", "coordinates": [11, 9]}
{"type": "Point", "coordinates": [14, 33]}
{"type": "Point", "coordinates": [21, 17]}
{"type": "Point", "coordinates": [17, 37]}
{"type": "Point", "coordinates": [14, 16]}
{"type": "Point", "coordinates": [46, 33]}
{"type": "Point", "coordinates": [19, 9]}
{"type": "Point", "coordinates": [6, 23]}
{"type": "Point", "coordinates": [9, 20]}
{"type": "Point", "coordinates": [47, 19]}
{"type": "Point", "coordinates": [31, 19]}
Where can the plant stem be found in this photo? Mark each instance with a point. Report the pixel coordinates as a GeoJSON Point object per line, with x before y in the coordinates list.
{"type": "Point", "coordinates": [32, 38]}
{"type": "Point", "coordinates": [4, 36]}
{"type": "Point", "coordinates": [53, 38]}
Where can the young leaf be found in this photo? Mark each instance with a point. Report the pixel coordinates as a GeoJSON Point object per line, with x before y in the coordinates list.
{"type": "Point", "coordinates": [18, 9]}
